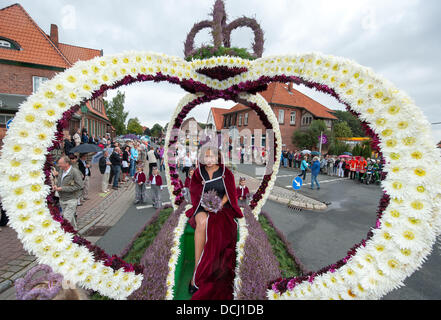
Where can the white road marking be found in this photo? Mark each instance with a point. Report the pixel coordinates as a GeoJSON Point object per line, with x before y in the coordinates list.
{"type": "Point", "coordinates": [325, 181]}
{"type": "Point", "coordinates": [284, 176]}
{"type": "Point", "coordinates": [149, 206]}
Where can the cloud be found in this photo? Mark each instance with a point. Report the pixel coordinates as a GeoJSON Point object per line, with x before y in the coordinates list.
{"type": "Point", "coordinates": [396, 38]}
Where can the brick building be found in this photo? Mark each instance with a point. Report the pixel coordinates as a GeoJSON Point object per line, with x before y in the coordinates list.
{"type": "Point", "coordinates": [293, 109]}
{"type": "Point", "coordinates": [28, 57]}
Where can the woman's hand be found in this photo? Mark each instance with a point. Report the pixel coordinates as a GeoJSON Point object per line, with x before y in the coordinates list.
{"type": "Point", "coordinates": [224, 200]}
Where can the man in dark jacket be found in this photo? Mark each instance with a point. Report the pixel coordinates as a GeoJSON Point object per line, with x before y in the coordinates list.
{"type": "Point", "coordinates": [85, 137]}
{"type": "Point", "coordinates": [68, 145]}
{"type": "Point", "coordinates": [105, 168]}
{"type": "Point", "coordinates": [84, 168]}
{"type": "Point", "coordinates": [115, 159]}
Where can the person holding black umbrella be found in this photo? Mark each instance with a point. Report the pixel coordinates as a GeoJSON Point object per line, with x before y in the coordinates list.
{"type": "Point", "coordinates": [86, 148]}
{"type": "Point", "coordinates": [105, 167]}
{"type": "Point", "coordinates": [84, 167]}
{"type": "Point", "coordinates": [68, 145]}
{"type": "Point", "coordinates": [84, 137]}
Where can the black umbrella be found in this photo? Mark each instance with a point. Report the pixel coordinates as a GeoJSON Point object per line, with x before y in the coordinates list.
{"type": "Point", "coordinates": [86, 148]}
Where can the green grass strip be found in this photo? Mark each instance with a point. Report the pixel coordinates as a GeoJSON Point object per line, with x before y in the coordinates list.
{"type": "Point", "coordinates": [288, 266]}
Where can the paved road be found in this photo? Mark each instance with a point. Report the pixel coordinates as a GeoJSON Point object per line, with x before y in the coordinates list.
{"type": "Point", "coordinates": [121, 234]}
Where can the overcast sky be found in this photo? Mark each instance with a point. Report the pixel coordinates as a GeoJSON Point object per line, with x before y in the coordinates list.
{"type": "Point", "coordinates": [397, 38]}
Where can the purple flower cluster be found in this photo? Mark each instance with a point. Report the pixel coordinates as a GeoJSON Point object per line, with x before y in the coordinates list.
{"type": "Point", "coordinates": [258, 255]}
{"type": "Point", "coordinates": [50, 284]}
{"type": "Point", "coordinates": [211, 201]}
{"type": "Point", "coordinates": [221, 72]}
{"type": "Point", "coordinates": [155, 262]}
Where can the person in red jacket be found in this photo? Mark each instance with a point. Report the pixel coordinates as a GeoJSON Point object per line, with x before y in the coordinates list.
{"type": "Point", "coordinates": [140, 180]}
{"type": "Point", "coordinates": [242, 193]}
{"type": "Point", "coordinates": [353, 167]}
{"type": "Point", "coordinates": [362, 164]}
{"type": "Point", "coordinates": [155, 181]}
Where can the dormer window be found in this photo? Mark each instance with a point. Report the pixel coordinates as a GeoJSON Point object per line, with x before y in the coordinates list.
{"type": "Point", "coordinates": [8, 44]}
{"type": "Point", "coordinates": [5, 44]}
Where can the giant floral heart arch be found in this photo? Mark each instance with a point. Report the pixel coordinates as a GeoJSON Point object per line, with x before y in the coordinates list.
{"type": "Point", "coordinates": [409, 219]}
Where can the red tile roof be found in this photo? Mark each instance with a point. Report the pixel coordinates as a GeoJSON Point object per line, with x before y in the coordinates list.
{"type": "Point", "coordinates": [75, 53]}
{"type": "Point", "coordinates": [100, 114]}
{"type": "Point", "coordinates": [277, 93]}
{"type": "Point", "coordinates": [218, 116]}
{"type": "Point", "coordinates": [36, 46]}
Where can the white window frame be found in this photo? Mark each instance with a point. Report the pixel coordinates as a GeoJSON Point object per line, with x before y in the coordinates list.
{"type": "Point", "coordinates": [307, 119]}
{"type": "Point", "coordinates": [37, 82]}
{"type": "Point", "coordinates": [293, 121]}
{"type": "Point", "coordinates": [5, 44]}
{"type": "Point", "coordinates": [281, 116]}
{"type": "Point", "coordinates": [7, 117]}
{"type": "Point", "coordinates": [245, 121]}
{"type": "Point", "coordinates": [240, 120]}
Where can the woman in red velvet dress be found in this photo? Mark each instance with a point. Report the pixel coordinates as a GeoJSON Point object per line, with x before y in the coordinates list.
{"type": "Point", "coordinates": [215, 233]}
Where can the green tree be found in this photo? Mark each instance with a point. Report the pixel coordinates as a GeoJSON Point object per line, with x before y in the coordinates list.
{"type": "Point", "coordinates": [309, 138]}
{"type": "Point", "coordinates": [353, 122]}
{"type": "Point", "coordinates": [356, 150]}
{"type": "Point", "coordinates": [134, 126]}
{"type": "Point", "coordinates": [156, 131]}
{"type": "Point", "coordinates": [366, 150]}
{"type": "Point", "coordinates": [342, 130]}
{"type": "Point", "coordinates": [338, 147]}
{"type": "Point", "coordinates": [147, 132]}
{"type": "Point", "coordinates": [116, 114]}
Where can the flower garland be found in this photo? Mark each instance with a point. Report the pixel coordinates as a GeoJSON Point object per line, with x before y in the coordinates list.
{"type": "Point", "coordinates": [406, 229]}
{"type": "Point", "coordinates": [175, 253]}
{"type": "Point", "coordinates": [240, 251]}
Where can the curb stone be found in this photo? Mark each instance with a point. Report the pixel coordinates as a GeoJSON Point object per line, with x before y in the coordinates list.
{"type": "Point", "coordinates": [5, 285]}
{"type": "Point", "coordinates": [288, 197]}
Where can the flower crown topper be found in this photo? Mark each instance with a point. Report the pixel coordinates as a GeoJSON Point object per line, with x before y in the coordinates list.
{"type": "Point", "coordinates": [221, 32]}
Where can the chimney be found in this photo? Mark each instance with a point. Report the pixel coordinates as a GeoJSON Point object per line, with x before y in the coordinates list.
{"type": "Point", "coordinates": [290, 87]}
{"type": "Point", "coordinates": [54, 34]}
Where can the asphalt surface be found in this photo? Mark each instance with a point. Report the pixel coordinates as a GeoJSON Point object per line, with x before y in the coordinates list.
{"type": "Point", "coordinates": [121, 234]}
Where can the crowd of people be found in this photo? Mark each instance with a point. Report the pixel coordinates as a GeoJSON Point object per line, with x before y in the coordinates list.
{"type": "Point", "coordinates": [365, 170]}
{"type": "Point", "coordinates": [120, 163]}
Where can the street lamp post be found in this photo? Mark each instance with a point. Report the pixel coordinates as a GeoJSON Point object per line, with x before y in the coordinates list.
{"type": "Point", "coordinates": [321, 139]}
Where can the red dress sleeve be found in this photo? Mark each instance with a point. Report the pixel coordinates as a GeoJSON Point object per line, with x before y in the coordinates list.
{"type": "Point", "coordinates": [230, 185]}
